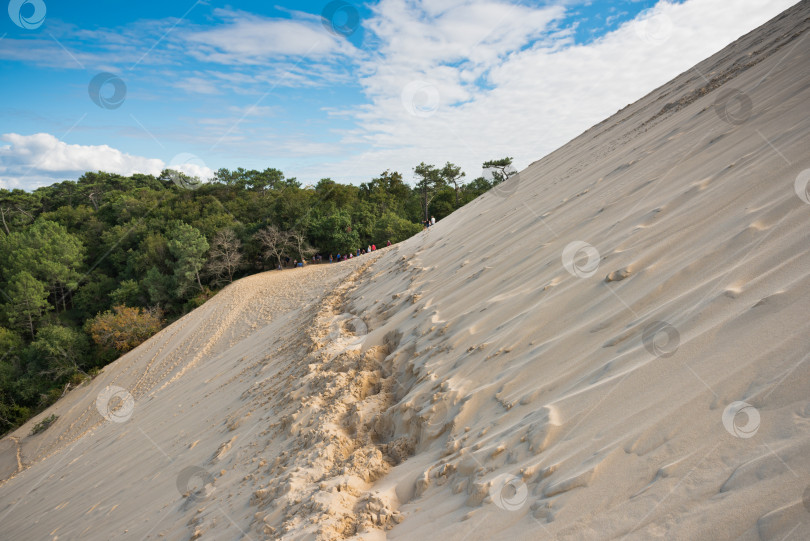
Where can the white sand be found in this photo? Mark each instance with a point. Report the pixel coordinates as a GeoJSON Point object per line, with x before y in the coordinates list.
{"type": "Point", "coordinates": [481, 380]}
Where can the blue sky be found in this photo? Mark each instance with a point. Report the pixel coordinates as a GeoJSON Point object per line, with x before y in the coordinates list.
{"type": "Point", "coordinates": [373, 86]}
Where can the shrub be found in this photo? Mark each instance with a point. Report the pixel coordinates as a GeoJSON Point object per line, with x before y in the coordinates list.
{"type": "Point", "coordinates": [124, 328]}
{"type": "Point", "coordinates": [44, 424]}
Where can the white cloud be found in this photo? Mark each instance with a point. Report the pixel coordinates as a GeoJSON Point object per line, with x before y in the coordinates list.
{"type": "Point", "coordinates": [511, 83]}
{"type": "Point", "coordinates": [250, 39]}
{"type": "Point", "coordinates": [30, 161]}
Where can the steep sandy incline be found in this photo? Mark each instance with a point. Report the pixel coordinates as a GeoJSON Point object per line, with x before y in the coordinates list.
{"type": "Point", "coordinates": [616, 343]}
{"type": "Point", "coordinates": [182, 437]}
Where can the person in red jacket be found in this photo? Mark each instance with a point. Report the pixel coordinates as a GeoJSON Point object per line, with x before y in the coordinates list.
{"type": "Point", "coordinates": [373, 247]}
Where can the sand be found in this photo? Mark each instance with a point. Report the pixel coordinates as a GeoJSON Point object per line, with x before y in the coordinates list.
{"type": "Point", "coordinates": [613, 344]}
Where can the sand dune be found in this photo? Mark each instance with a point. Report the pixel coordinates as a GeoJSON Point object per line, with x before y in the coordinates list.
{"type": "Point", "coordinates": [613, 344]}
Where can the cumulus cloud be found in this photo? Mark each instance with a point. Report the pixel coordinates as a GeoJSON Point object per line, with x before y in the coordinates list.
{"type": "Point", "coordinates": [497, 80]}
{"type": "Point", "coordinates": [30, 161]}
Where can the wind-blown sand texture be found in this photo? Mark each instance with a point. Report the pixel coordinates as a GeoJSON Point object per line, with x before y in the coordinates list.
{"type": "Point", "coordinates": [613, 344]}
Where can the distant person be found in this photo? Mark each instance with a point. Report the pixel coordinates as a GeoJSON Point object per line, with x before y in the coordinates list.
{"type": "Point", "coordinates": [373, 247]}
{"type": "Point", "coordinates": [330, 258]}
{"type": "Point", "coordinates": [295, 263]}
{"type": "Point", "coordinates": [432, 220]}
{"type": "Point", "coordinates": [358, 252]}
{"type": "Point", "coordinates": [368, 249]}
{"type": "Point", "coordinates": [387, 244]}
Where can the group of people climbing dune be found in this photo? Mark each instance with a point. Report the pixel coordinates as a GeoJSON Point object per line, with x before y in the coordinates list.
{"type": "Point", "coordinates": [332, 258]}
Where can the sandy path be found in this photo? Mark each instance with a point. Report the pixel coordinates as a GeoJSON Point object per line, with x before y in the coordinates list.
{"type": "Point", "coordinates": [204, 392]}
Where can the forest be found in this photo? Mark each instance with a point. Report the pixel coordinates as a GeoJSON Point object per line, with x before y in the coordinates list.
{"type": "Point", "coordinates": [91, 268]}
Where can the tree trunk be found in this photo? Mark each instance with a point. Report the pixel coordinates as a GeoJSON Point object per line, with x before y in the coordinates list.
{"type": "Point", "coordinates": [3, 215]}
{"type": "Point", "coordinates": [425, 200]}
{"type": "Point", "coordinates": [55, 293]}
{"type": "Point", "coordinates": [30, 324]}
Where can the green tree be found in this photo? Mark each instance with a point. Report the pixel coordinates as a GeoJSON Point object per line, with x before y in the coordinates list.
{"type": "Point", "coordinates": [27, 301]}
{"type": "Point", "coordinates": [94, 295]}
{"type": "Point", "coordinates": [17, 209]}
{"type": "Point", "coordinates": [428, 182]}
{"type": "Point", "coordinates": [188, 246]}
{"type": "Point", "coordinates": [452, 174]}
{"type": "Point", "coordinates": [394, 228]}
{"type": "Point", "coordinates": [499, 170]}
{"type": "Point", "coordinates": [334, 233]}
{"type": "Point", "coordinates": [158, 286]}
{"type": "Point", "coordinates": [60, 350]}
{"type": "Point", "coordinates": [386, 192]}
{"type": "Point", "coordinates": [49, 253]}
{"type": "Point", "coordinates": [12, 413]}
{"type": "Point", "coordinates": [127, 293]}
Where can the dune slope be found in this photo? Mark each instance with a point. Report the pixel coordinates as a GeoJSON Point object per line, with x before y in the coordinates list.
{"type": "Point", "coordinates": [612, 344]}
